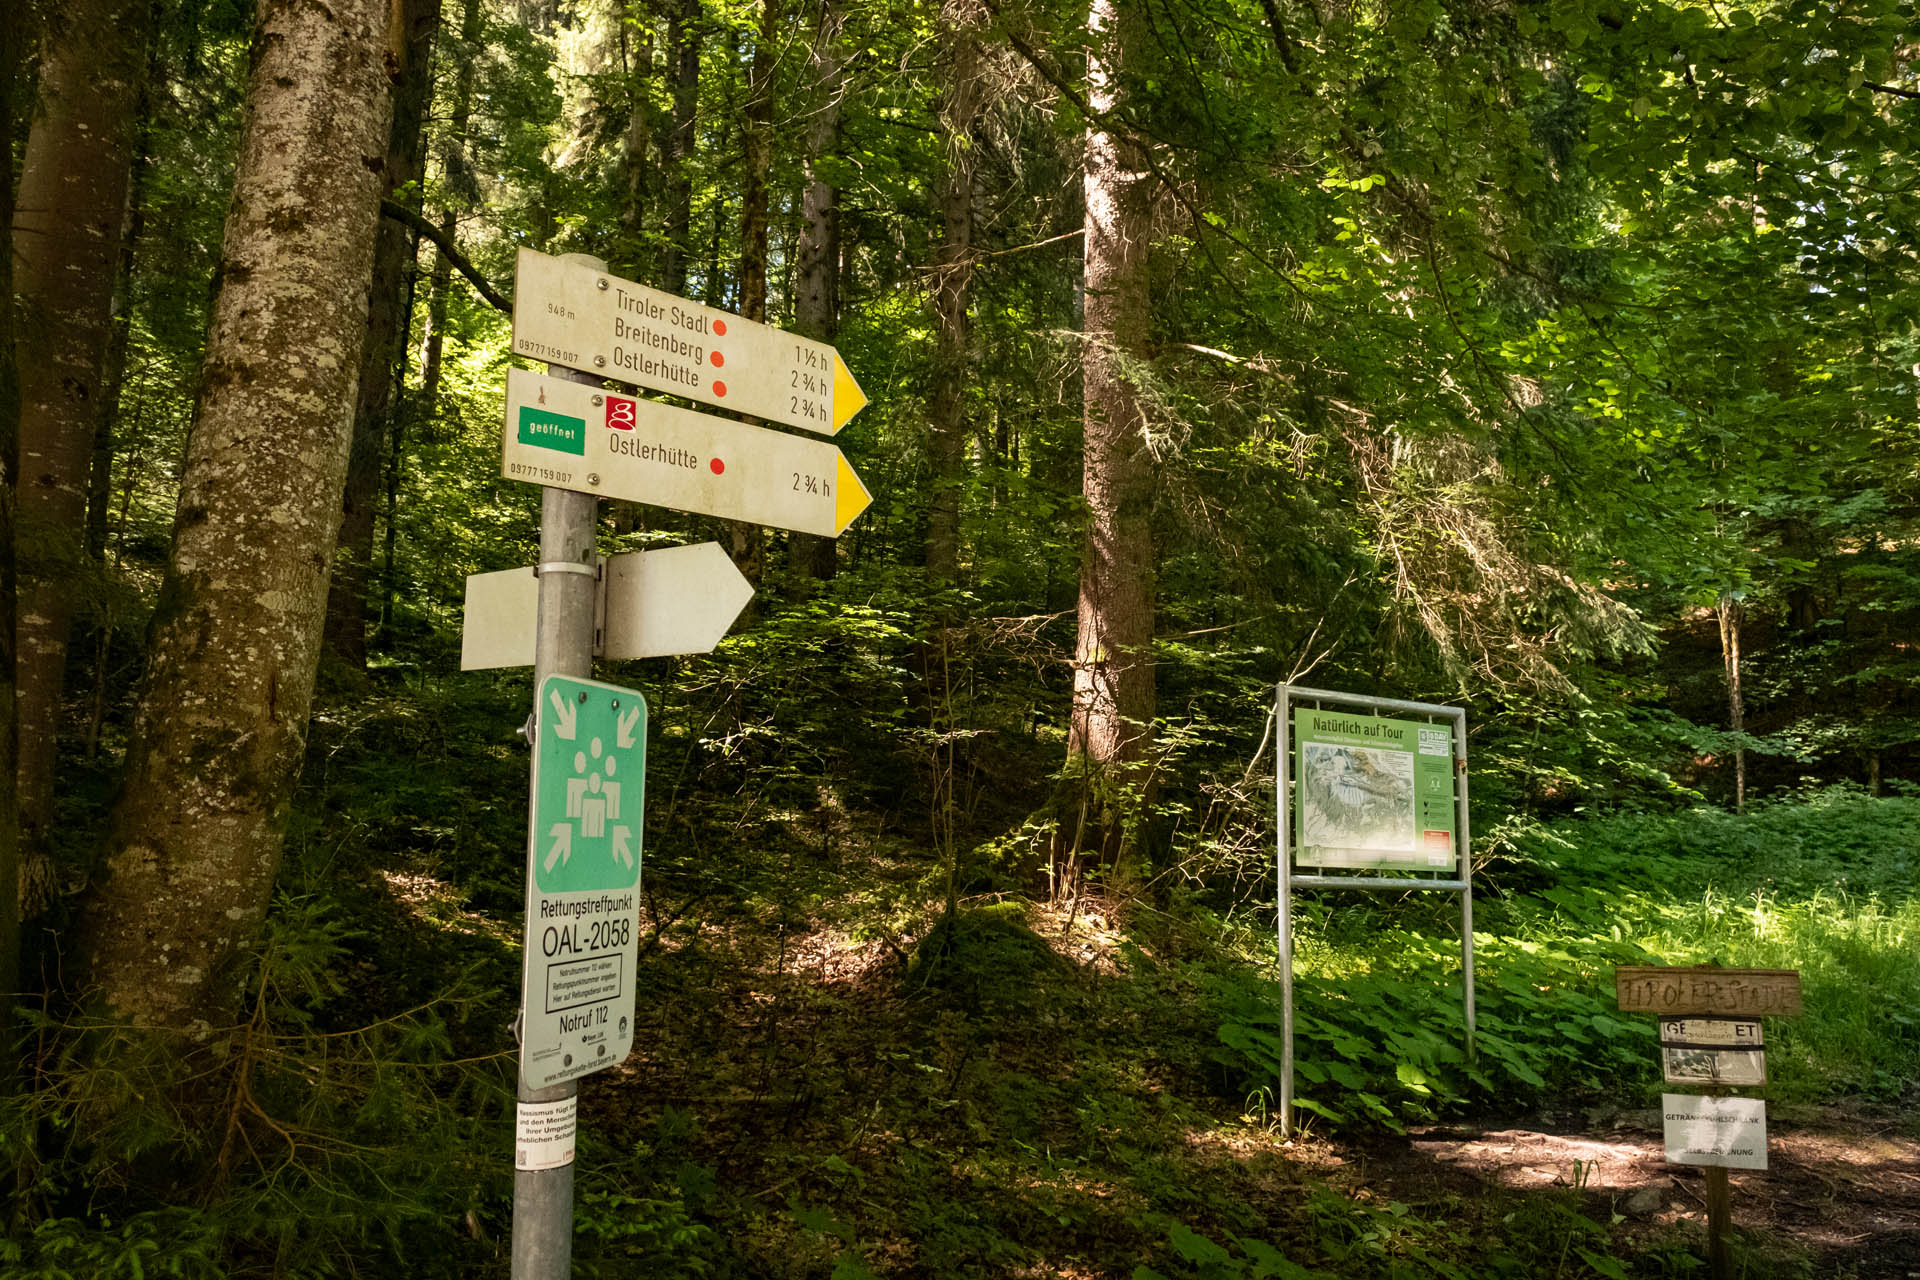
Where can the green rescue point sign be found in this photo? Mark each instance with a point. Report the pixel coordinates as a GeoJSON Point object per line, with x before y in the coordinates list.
{"type": "Point", "coordinates": [589, 781]}
{"type": "Point", "coordinates": [1374, 792]}
{"type": "Point", "coordinates": [583, 879]}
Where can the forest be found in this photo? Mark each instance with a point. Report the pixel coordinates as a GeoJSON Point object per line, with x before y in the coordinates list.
{"type": "Point", "coordinates": [1550, 364]}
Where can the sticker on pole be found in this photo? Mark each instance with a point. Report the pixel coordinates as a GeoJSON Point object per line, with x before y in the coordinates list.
{"type": "Point", "coordinates": [582, 930]}
{"type": "Point", "coordinates": [543, 1133]}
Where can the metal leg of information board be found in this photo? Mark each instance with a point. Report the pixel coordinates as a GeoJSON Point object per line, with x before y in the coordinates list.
{"type": "Point", "coordinates": [1283, 776]}
{"type": "Point", "coordinates": [1465, 841]}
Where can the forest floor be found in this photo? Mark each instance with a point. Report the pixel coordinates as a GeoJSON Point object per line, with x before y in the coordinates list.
{"type": "Point", "coordinates": [1042, 1094]}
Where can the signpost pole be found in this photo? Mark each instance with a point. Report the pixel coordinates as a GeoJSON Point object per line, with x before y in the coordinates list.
{"type": "Point", "coordinates": [543, 1198]}
{"type": "Point", "coordinates": [1719, 1224]}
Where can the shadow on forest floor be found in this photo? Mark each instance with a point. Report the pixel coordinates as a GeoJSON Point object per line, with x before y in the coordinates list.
{"type": "Point", "coordinates": [1031, 1093]}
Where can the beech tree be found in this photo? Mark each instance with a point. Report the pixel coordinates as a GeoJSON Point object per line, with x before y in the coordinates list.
{"type": "Point", "coordinates": [66, 246]}
{"type": "Point", "coordinates": [221, 723]}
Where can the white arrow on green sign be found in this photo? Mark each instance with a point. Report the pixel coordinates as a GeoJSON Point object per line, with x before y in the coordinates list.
{"type": "Point", "coordinates": [583, 879]}
{"type": "Point", "coordinates": [566, 435]}
{"type": "Point", "coordinates": [569, 314]}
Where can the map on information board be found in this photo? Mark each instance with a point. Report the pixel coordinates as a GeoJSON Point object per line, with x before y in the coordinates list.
{"type": "Point", "coordinates": [1373, 792]}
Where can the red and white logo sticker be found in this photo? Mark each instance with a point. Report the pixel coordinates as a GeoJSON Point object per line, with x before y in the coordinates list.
{"type": "Point", "coordinates": [620, 413]}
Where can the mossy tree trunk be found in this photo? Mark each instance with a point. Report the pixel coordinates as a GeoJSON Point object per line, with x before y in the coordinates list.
{"type": "Point", "coordinates": [67, 222]}
{"type": "Point", "coordinates": [220, 727]}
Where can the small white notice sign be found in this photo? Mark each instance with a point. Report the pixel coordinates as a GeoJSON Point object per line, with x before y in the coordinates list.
{"type": "Point", "coordinates": [543, 1134]}
{"type": "Point", "coordinates": [1728, 1132]}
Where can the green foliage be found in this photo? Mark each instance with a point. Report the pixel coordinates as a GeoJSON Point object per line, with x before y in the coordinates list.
{"type": "Point", "coordinates": [1823, 884]}
{"type": "Point", "coordinates": [289, 1144]}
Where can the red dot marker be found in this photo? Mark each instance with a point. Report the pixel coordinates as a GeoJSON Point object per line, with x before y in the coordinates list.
{"type": "Point", "coordinates": [717, 359]}
{"type": "Point", "coordinates": [718, 466]}
{"type": "Point", "coordinates": [720, 328]}
{"type": "Point", "coordinates": [719, 388]}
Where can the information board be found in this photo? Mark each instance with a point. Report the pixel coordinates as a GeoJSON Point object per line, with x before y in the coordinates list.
{"type": "Point", "coordinates": [1373, 792]}
{"type": "Point", "coordinates": [583, 900]}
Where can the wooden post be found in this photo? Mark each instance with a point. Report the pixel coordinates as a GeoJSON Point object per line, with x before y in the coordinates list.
{"type": "Point", "coordinates": [1719, 1224]}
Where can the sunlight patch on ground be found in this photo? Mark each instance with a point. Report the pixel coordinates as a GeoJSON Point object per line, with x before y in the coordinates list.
{"type": "Point", "coordinates": [437, 903]}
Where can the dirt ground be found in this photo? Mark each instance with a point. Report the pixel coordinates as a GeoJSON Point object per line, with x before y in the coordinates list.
{"type": "Point", "coordinates": [1842, 1185]}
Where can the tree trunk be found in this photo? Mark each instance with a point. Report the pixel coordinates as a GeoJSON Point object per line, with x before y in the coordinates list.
{"type": "Point", "coordinates": [633, 259]}
{"type": "Point", "coordinates": [816, 303]}
{"type": "Point", "coordinates": [220, 727]}
{"type": "Point", "coordinates": [387, 323]}
{"type": "Point", "coordinates": [749, 540]}
{"type": "Point", "coordinates": [12, 50]}
{"type": "Point", "coordinates": [456, 176]}
{"type": "Point", "coordinates": [683, 52]}
{"type": "Point", "coordinates": [1730, 618]}
{"type": "Point", "coordinates": [959, 112]}
{"type": "Point", "coordinates": [1113, 696]}
{"type": "Point", "coordinates": [67, 222]}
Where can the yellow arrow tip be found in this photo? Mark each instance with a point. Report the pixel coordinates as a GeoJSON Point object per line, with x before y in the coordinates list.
{"type": "Point", "coordinates": [850, 496]}
{"type": "Point", "coordinates": [848, 398]}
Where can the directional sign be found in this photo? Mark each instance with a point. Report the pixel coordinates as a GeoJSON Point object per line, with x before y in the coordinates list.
{"type": "Point", "coordinates": [650, 604]}
{"type": "Point", "coordinates": [1700, 990]}
{"type": "Point", "coordinates": [567, 313]}
{"type": "Point", "coordinates": [569, 436]}
{"type": "Point", "coordinates": [583, 926]}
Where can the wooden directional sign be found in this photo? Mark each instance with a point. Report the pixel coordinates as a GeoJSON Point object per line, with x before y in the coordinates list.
{"type": "Point", "coordinates": [650, 604]}
{"type": "Point", "coordinates": [570, 436]}
{"type": "Point", "coordinates": [1708, 990]}
{"type": "Point", "coordinates": [567, 313]}
{"type": "Point", "coordinates": [583, 912]}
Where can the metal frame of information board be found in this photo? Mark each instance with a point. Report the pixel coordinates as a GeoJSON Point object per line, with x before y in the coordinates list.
{"type": "Point", "coordinates": [1460, 880]}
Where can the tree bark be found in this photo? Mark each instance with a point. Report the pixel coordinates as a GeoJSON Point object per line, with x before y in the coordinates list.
{"type": "Point", "coordinates": [387, 323]}
{"type": "Point", "coordinates": [1113, 691]}
{"type": "Point", "coordinates": [959, 112]}
{"type": "Point", "coordinates": [1730, 619]}
{"type": "Point", "coordinates": [816, 303]}
{"type": "Point", "coordinates": [12, 51]}
{"type": "Point", "coordinates": [637, 148]}
{"type": "Point", "coordinates": [220, 726]}
{"type": "Point", "coordinates": [749, 540]}
{"type": "Point", "coordinates": [684, 35]}
{"type": "Point", "coordinates": [456, 177]}
{"type": "Point", "coordinates": [67, 222]}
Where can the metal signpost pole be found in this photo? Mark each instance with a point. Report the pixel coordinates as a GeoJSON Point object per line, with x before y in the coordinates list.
{"type": "Point", "coordinates": [543, 1198]}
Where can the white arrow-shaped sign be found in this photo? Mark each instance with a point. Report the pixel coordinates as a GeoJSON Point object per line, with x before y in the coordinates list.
{"type": "Point", "coordinates": [567, 435]}
{"type": "Point", "coordinates": [567, 719]}
{"type": "Point", "coordinates": [621, 849]}
{"type": "Point", "coordinates": [568, 313]}
{"type": "Point", "coordinates": [652, 603]}
{"type": "Point", "coordinates": [562, 850]}
{"type": "Point", "coordinates": [623, 727]}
